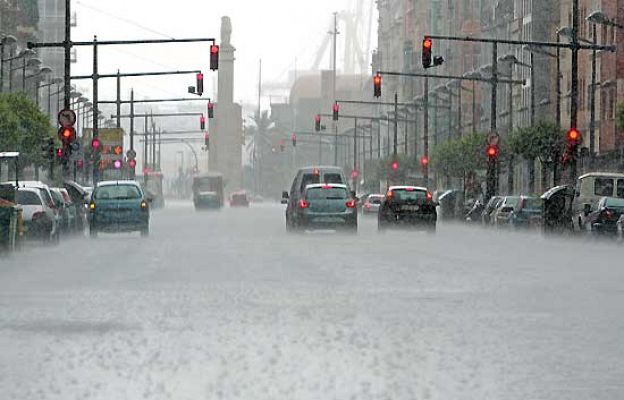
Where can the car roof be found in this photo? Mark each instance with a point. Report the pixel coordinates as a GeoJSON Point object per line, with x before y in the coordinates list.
{"type": "Point", "coordinates": [407, 187]}
{"type": "Point", "coordinates": [33, 184]}
{"type": "Point", "coordinates": [115, 183]}
{"type": "Point", "coordinates": [602, 175]}
{"type": "Point", "coordinates": [375, 195]}
{"type": "Point", "coordinates": [321, 185]}
{"type": "Point", "coordinates": [28, 189]}
{"type": "Point", "coordinates": [322, 168]}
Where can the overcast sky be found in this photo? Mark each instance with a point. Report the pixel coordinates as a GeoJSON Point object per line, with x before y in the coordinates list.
{"type": "Point", "coordinates": [278, 31]}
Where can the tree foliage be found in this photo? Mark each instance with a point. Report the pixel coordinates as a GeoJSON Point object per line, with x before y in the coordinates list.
{"type": "Point", "coordinates": [23, 128]}
{"type": "Point", "coordinates": [543, 140]}
{"type": "Point", "coordinates": [461, 156]}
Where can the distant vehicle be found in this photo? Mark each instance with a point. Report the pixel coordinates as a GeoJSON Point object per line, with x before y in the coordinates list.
{"type": "Point", "coordinates": [557, 209]}
{"type": "Point", "coordinates": [310, 176]}
{"type": "Point", "coordinates": [501, 217]}
{"type": "Point", "coordinates": [474, 213]}
{"type": "Point", "coordinates": [527, 213]}
{"type": "Point", "coordinates": [40, 218]}
{"type": "Point", "coordinates": [239, 199]}
{"type": "Point", "coordinates": [590, 188]}
{"type": "Point", "coordinates": [67, 213]}
{"type": "Point", "coordinates": [208, 191]}
{"type": "Point", "coordinates": [372, 203]}
{"type": "Point", "coordinates": [325, 206]}
{"type": "Point", "coordinates": [620, 227]}
{"type": "Point", "coordinates": [80, 200]}
{"type": "Point", "coordinates": [119, 206]}
{"type": "Point", "coordinates": [603, 220]}
{"type": "Point", "coordinates": [411, 206]}
{"type": "Point", "coordinates": [152, 185]}
{"type": "Point", "coordinates": [488, 210]}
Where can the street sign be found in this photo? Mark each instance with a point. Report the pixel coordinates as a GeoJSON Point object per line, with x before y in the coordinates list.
{"type": "Point", "coordinates": [67, 118]}
{"type": "Point", "coordinates": [493, 139]}
{"type": "Point", "coordinates": [131, 154]}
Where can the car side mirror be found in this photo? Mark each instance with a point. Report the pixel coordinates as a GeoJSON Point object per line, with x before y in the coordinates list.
{"type": "Point", "coordinates": [586, 208]}
{"type": "Point", "coordinates": [285, 196]}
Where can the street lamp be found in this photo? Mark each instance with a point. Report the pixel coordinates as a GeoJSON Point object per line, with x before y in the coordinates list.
{"type": "Point", "coordinates": [30, 63]}
{"type": "Point", "coordinates": [8, 40]}
{"type": "Point", "coordinates": [598, 17]}
{"type": "Point", "coordinates": [24, 54]}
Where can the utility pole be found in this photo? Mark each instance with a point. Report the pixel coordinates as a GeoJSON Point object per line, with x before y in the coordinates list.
{"type": "Point", "coordinates": [334, 57]}
{"type": "Point", "coordinates": [96, 113]}
{"type": "Point", "coordinates": [592, 102]}
{"type": "Point", "coordinates": [574, 85]}
{"type": "Point", "coordinates": [131, 119]}
{"type": "Point", "coordinates": [118, 100]}
{"type": "Point", "coordinates": [426, 129]}
{"type": "Point", "coordinates": [355, 155]}
{"type": "Point", "coordinates": [396, 123]}
{"type": "Point", "coordinates": [67, 44]}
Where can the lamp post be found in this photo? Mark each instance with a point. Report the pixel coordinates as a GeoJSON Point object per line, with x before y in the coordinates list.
{"type": "Point", "coordinates": [43, 72]}
{"type": "Point", "coordinates": [8, 40]}
{"type": "Point", "coordinates": [24, 54]}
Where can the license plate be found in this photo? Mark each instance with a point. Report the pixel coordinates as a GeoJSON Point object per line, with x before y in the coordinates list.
{"type": "Point", "coordinates": [410, 208]}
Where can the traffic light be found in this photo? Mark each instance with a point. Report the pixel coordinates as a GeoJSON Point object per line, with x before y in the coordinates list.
{"type": "Point", "coordinates": [574, 137]}
{"type": "Point", "coordinates": [96, 144]}
{"type": "Point", "coordinates": [59, 153]}
{"type": "Point", "coordinates": [200, 83]}
{"type": "Point", "coordinates": [210, 109]}
{"type": "Point", "coordinates": [355, 173]}
{"type": "Point", "coordinates": [492, 152]}
{"type": "Point", "coordinates": [117, 164]}
{"type": "Point", "coordinates": [335, 110]}
{"type": "Point", "coordinates": [294, 140]}
{"type": "Point", "coordinates": [424, 161]}
{"type": "Point", "coordinates": [394, 165]}
{"type": "Point", "coordinates": [214, 57]}
{"type": "Point", "coordinates": [377, 85]}
{"type": "Point", "coordinates": [282, 145]}
{"type": "Point", "coordinates": [67, 135]}
{"type": "Point", "coordinates": [207, 140]}
{"type": "Point", "coordinates": [317, 123]}
{"type": "Point", "coordinates": [118, 150]}
{"type": "Point", "coordinates": [79, 163]}
{"type": "Point", "coordinates": [132, 163]}
{"type": "Point", "coordinates": [202, 122]}
{"type": "Point", "coordinates": [427, 47]}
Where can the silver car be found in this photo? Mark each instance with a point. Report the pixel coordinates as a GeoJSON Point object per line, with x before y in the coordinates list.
{"type": "Point", "coordinates": [372, 203]}
{"type": "Point", "coordinates": [40, 219]}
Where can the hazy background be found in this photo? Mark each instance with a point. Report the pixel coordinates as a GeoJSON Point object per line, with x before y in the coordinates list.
{"type": "Point", "coordinates": [278, 31]}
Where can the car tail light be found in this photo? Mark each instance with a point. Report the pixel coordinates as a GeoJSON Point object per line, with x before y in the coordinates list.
{"type": "Point", "coordinates": [327, 187]}
{"type": "Point", "coordinates": [350, 203]}
{"type": "Point", "coordinates": [607, 215]}
{"type": "Point", "coordinates": [409, 189]}
{"type": "Point", "coordinates": [303, 204]}
{"type": "Point", "coordinates": [429, 196]}
{"type": "Point", "coordinates": [389, 194]}
{"type": "Point", "coordinates": [38, 215]}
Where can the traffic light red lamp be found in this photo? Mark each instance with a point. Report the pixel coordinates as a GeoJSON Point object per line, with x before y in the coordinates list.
{"type": "Point", "coordinates": [377, 85]}
{"type": "Point", "coordinates": [214, 57]}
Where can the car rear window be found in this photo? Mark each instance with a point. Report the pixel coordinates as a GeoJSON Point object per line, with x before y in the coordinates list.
{"type": "Point", "coordinates": [614, 202]}
{"type": "Point", "coordinates": [326, 194]}
{"type": "Point", "coordinates": [603, 186]}
{"type": "Point", "coordinates": [117, 192]}
{"type": "Point", "coordinates": [27, 199]}
{"type": "Point", "coordinates": [309, 179]}
{"type": "Point", "coordinates": [332, 178]}
{"type": "Point", "coordinates": [58, 199]}
{"type": "Point", "coordinates": [408, 195]}
{"type": "Point", "coordinates": [620, 188]}
{"type": "Point", "coordinates": [375, 199]}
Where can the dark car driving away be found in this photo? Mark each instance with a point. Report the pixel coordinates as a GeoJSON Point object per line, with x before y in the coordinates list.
{"type": "Point", "coordinates": [407, 206]}
{"type": "Point", "coordinates": [325, 206]}
{"type": "Point", "coordinates": [118, 206]}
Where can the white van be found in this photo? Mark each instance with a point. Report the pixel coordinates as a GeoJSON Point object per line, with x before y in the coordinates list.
{"type": "Point", "coordinates": [590, 188]}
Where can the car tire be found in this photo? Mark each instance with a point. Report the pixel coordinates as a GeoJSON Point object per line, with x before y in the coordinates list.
{"type": "Point", "coordinates": [381, 227]}
{"type": "Point", "coordinates": [145, 231]}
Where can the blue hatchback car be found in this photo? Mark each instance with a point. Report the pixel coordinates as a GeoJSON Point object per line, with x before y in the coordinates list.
{"type": "Point", "coordinates": [119, 206]}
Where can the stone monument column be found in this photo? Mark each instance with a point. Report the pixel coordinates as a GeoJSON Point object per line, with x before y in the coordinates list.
{"type": "Point", "coordinates": [226, 129]}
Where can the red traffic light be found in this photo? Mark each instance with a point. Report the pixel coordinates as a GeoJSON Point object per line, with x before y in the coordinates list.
{"type": "Point", "coordinates": [202, 122]}
{"type": "Point", "coordinates": [214, 57]}
{"type": "Point", "coordinates": [132, 163]}
{"type": "Point", "coordinates": [200, 83]}
{"type": "Point", "coordinates": [427, 46]}
{"type": "Point", "coordinates": [118, 150]}
{"type": "Point", "coordinates": [317, 123]}
{"type": "Point", "coordinates": [492, 151]}
{"type": "Point", "coordinates": [395, 165]}
{"type": "Point", "coordinates": [117, 164]}
{"type": "Point", "coordinates": [67, 135]}
{"type": "Point", "coordinates": [335, 110]}
{"type": "Point", "coordinates": [96, 144]}
{"type": "Point", "coordinates": [377, 85]}
{"type": "Point", "coordinates": [59, 153]}
{"type": "Point", "coordinates": [424, 161]}
{"type": "Point", "coordinates": [427, 43]}
{"type": "Point", "coordinates": [294, 140]}
{"type": "Point", "coordinates": [206, 139]}
{"type": "Point", "coordinates": [574, 136]}
{"type": "Point", "coordinates": [355, 173]}
{"type": "Point", "coordinates": [210, 109]}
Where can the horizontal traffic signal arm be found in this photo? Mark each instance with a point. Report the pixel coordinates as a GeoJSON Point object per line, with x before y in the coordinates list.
{"type": "Point", "coordinates": [134, 74]}
{"type": "Point", "coordinates": [561, 45]}
{"type": "Point", "coordinates": [172, 133]}
{"type": "Point", "coordinates": [33, 45]}
{"type": "Point", "coordinates": [180, 114]}
{"type": "Point", "coordinates": [331, 135]}
{"type": "Point", "coordinates": [369, 118]}
{"type": "Point", "coordinates": [152, 100]}
{"type": "Point", "coordinates": [454, 77]}
{"type": "Point", "coordinates": [375, 103]}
